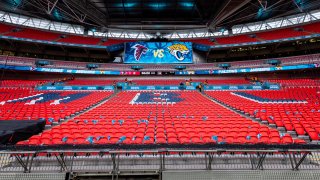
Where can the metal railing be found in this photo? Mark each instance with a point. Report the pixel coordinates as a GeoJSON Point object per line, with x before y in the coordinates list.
{"type": "Point", "coordinates": [114, 162]}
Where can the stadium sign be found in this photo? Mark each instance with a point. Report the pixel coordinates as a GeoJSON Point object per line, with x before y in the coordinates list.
{"type": "Point", "coordinates": [158, 52]}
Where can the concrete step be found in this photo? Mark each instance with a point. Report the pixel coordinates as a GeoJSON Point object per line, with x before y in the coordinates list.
{"type": "Point", "coordinates": [304, 137]}
{"type": "Point", "coordinates": [315, 142]}
{"type": "Point", "coordinates": [282, 129]}
{"type": "Point", "coordinates": [273, 126]}
{"type": "Point", "coordinates": [293, 134]}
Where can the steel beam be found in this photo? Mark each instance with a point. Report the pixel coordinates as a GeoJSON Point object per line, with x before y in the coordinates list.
{"type": "Point", "coordinates": [61, 161]}
{"type": "Point", "coordinates": [260, 162]}
{"type": "Point", "coordinates": [22, 163]}
{"type": "Point", "coordinates": [50, 9]}
{"type": "Point", "coordinates": [218, 19]}
{"type": "Point", "coordinates": [301, 160]}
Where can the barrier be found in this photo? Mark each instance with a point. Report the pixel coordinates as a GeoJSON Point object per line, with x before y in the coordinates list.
{"type": "Point", "coordinates": [102, 160]}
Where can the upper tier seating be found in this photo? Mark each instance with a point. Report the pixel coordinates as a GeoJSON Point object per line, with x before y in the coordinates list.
{"type": "Point", "coordinates": [267, 35]}
{"type": "Point", "coordinates": [295, 109]}
{"type": "Point", "coordinates": [22, 61]}
{"type": "Point", "coordinates": [170, 117]}
{"type": "Point", "coordinates": [313, 28]}
{"type": "Point", "coordinates": [80, 40]}
{"type": "Point", "coordinates": [114, 41]}
{"type": "Point", "coordinates": [236, 39]}
{"type": "Point", "coordinates": [4, 28]}
{"type": "Point", "coordinates": [281, 34]}
{"type": "Point", "coordinates": [201, 41]}
{"type": "Point", "coordinates": [272, 34]}
{"type": "Point", "coordinates": [35, 34]}
{"type": "Point", "coordinates": [51, 106]}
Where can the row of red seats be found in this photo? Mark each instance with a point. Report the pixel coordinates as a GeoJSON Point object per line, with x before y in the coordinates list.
{"type": "Point", "coordinates": [296, 82]}
{"type": "Point", "coordinates": [193, 120]}
{"type": "Point", "coordinates": [21, 83]}
{"type": "Point", "coordinates": [29, 33]}
{"type": "Point", "coordinates": [80, 40]}
{"type": "Point", "coordinates": [90, 82]}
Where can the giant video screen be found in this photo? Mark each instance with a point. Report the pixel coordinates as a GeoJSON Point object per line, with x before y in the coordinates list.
{"type": "Point", "coordinates": [158, 53]}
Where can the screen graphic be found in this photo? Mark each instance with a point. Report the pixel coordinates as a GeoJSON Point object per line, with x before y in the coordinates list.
{"type": "Point", "coordinates": [158, 52]}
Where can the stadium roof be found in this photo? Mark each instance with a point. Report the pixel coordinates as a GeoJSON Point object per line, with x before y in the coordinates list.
{"type": "Point", "coordinates": [158, 14]}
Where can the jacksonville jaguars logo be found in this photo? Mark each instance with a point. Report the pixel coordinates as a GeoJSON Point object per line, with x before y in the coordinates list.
{"type": "Point", "coordinates": [139, 50]}
{"type": "Point", "coordinates": [179, 51]}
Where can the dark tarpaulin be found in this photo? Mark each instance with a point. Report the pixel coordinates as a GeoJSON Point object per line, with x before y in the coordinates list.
{"type": "Point", "coordinates": [12, 131]}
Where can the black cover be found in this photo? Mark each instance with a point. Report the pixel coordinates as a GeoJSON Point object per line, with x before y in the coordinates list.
{"type": "Point", "coordinates": [12, 131]}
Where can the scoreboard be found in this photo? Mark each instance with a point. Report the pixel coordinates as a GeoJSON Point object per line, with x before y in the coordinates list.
{"type": "Point", "coordinates": [158, 53]}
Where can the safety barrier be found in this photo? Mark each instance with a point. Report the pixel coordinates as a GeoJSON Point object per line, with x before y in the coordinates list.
{"type": "Point", "coordinates": [156, 160]}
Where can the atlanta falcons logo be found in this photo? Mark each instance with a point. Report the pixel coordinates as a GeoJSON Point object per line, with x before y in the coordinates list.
{"type": "Point", "coordinates": [139, 50]}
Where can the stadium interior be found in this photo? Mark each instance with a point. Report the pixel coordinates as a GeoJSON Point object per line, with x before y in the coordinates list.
{"type": "Point", "coordinates": [149, 89]}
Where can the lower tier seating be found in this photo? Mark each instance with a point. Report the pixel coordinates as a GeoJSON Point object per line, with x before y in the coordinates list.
{"type": "Point", "coordinates": [162, 117]}
{"type": "Point", "coordinates": [295, 109]}
{"type": "Point", "coordinates": [51, 106]}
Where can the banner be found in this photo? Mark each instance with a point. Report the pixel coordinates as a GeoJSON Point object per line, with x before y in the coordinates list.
{"type": "Point", "coordinates": [250, 70]}
{"type": "Point", "coordinates": [243, 87]}
{"type": "Point", "coordinates": [76, 71]}
{"type": "Point", "coordinates": [158, 52]}
{"type": "Point", "coordinates": [75, 88]}
{"type": "Point", "coordinates": [159, 88]}
{"type": "Point", "coordinates": [185, 72]}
